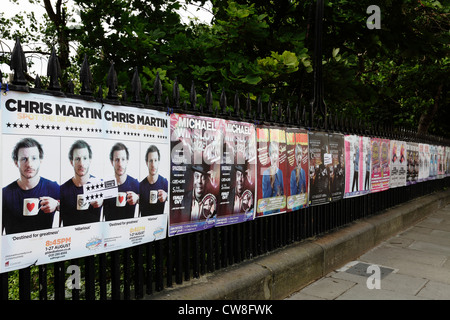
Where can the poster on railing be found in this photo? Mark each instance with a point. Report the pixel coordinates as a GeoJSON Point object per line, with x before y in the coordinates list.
{"type": "Point", "coordinates": [353, 162]}
{"type": "Point", "coordinates": [70, 180]}
{"type": "Point", "coordinates": [196, 148]}
{"type": "Point", "coordinates": [357, 165]}
{"type": "Point", "coordinates": [320, 160]}
{"type": "Point", "coordinates": [424, 162]}
{"type": "Point", "coordinates": [271, 170]}
{"type": "Point", "coordinates": [441, 161]}
{"type": "Point", "coordinates": [337, 167]}
{"type": "Point", "coordinates": [398, 167]}
{"type": "Point", "coordinates": [433, 162]}
{"type": "Point", "coordinates": [444, 161]}
{"type": "Point", "coordinates": [447, 161]}
{"type": "Point", "coordinates": [412, 155]}
{"type": "Point", "coordinates": [237, 200]}
{"type": "Point", "coordinates": [136, 146]}
{"type": "Point", "coordinates": [298, 168]}
{"type": "Point", "coordinates": [380, 164]}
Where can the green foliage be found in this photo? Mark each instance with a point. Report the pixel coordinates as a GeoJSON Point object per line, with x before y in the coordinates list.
{"type": "Point", "coordinates": [394, 75]}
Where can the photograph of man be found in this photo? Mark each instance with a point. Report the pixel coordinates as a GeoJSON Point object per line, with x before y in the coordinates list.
{"type": "Point", "coordinates": [272, 180]}
{"type": "Point", "coordinates": [243, 198]}
{"type": "Point", "coordinates": [319, 176]}
{"type": "Point", "coordinates": [199, 203]}
{"type": "Point", "coordinates": [74, 208]}
{"type": "Point", "coordinates": [29, 203]}
{"type": "Point", "coordinates": [153, 188]}
{"type": "Point", "coordinates": [298, 175]}
{"type": "Point", "coordinates": [124, 205]}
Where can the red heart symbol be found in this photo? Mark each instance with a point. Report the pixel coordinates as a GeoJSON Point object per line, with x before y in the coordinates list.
{"type": "Point", "coordinates": [121, 198]}
{"type": "Point", "coordinates": [30, 206]}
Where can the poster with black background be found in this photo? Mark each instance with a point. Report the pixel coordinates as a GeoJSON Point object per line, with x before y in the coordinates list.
{"type": "Point", "coordinates": [237, 173]}
{"type": "Point", "coordinates": [320, 162]}
{"type": "Point", "coordinates": [337, 167]}
{"type": "Point", "coordinates": [196, 151]}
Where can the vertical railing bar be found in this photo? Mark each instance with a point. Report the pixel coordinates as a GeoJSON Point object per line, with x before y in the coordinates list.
{"type": "Point", "coordinates": [138, 273]}
{"type": "Point", "coordinates": [215, 237]}
{"type": "Point", "coordinates": [75, 291]}
{"type": "Point", "coordinates": [25, 283]}
{"type": "Point", "coordinates": [149, 268]}
{"type": "Point", "coordinates": [225, 243]}
{"type": "Point", "coordinates": [159, 283]}
{"type": "Point", "coordinates": [179, 259]}
{"type": "Point", "coordinates": [231, 244]}
{"type": "Point", "coordinates": [204, 252]}
{"type": "Point", "coordinates": [269, 233]}
{"type": "Point", "coordinates": [102, 276]}
{"type": "Point", "coordinates": [43, 286]}
{"type": "Point", "coordinates": [210, 250]}
{"type": "Point", "coordinates": [187, 257]}
{"type": "Point", "coordinates": [115, 275]}
{"type": "Point", "coordinates": [196, 255]}
{"type": "Point", "coordinates": [169, 262]}
{"type": "Point", "coordinates": [59, 273]}
{"type": "Point", "coordinates": [126, 273]}
{"type": "Point", "coordinates": [4, 286]}
{"type": "Point", "coordinates": [245, 236]}
{"type": "Point", "coordinates": [238, 257]}
{"type": "Point", "coordinates": [90, 277]}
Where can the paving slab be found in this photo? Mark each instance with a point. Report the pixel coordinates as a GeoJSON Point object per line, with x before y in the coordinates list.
{"type": "Point", "coordinates": [328, 288]}
{"type": "Point", "coordinates": [436, 291]}
{"type": "Point", "coordinates": [398, 242]}
{"type": "Point", "coordinates": [431, 247]}
{"type": "Point", "coordinates": [402, 283]}
{"type": "Point", "coordinates": [361, 292]}
{"type": "Point", "coordinates": [383, 255]}
{"type": "Point", "coordinates": [303, 296]}
{"type": "Point", "coordinates": [415, 269]}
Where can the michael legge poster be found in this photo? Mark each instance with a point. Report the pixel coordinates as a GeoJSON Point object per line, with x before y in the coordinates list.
{"type": "Point", "coordinates": [196, 150]}
{"type": "Point", "coordinates": [237, 200]}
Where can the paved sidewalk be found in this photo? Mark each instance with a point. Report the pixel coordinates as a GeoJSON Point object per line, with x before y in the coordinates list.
{"type": "Point", "coordinates": [413, 265]}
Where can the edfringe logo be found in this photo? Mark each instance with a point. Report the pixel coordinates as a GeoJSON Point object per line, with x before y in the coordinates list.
{"type": "Point", "coordinates": [94, 243]}
{"type": "Point", "coordinates": [262, 205]}
{"type": "Point", "coordinates": [158, 231]}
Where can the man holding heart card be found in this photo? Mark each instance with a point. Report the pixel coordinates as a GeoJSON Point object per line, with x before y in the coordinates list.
{"type": "Point", "coordinates": [30, 202]}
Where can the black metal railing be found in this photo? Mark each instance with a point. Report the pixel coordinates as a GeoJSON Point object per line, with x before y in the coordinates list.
{"type": "Point", "coordinates": [135, 272]}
